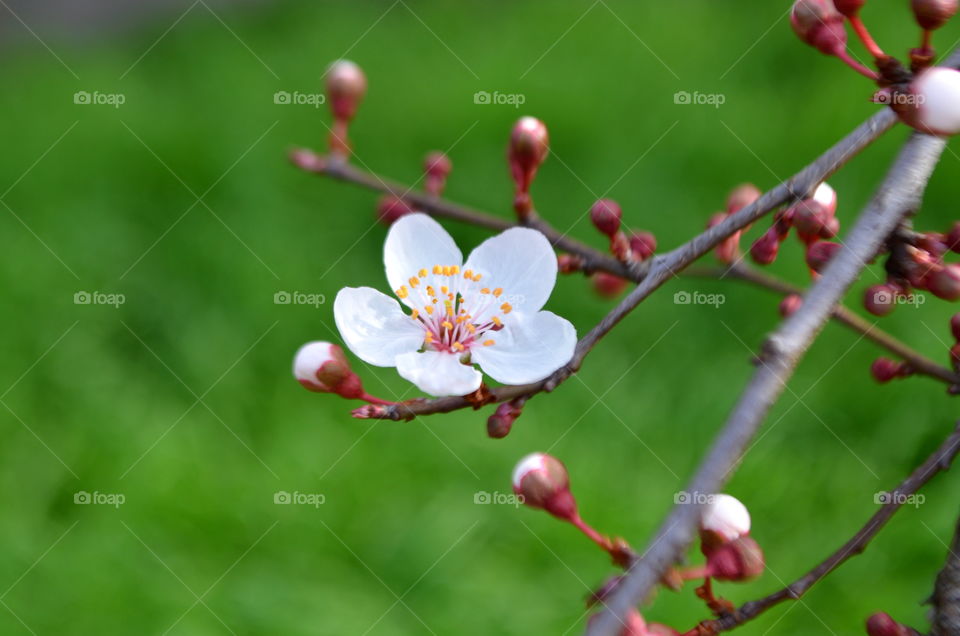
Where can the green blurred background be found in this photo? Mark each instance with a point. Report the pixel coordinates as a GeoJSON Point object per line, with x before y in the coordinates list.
{"type": "Point", "coordinates": [181, 399]}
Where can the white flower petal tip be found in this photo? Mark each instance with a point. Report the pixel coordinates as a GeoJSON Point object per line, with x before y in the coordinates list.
{"type": "Point", "coordinates": [533, 461]}
{"type": "Point", "coordinates": [727, 516]}
{"type": "Point", "coordinates": [933, 103]}
{"type": "Point", "coordinates": [322, 367]}
{"type": "Point", "coordinates": [439, 374]}
{"type": "Point", "coordinates": [826, 196]}
{"type": "Point", "coordinates": [311, 356]}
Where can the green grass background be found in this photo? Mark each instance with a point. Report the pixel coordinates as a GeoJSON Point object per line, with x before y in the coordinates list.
{"type": "Point", "coordinates": [104, 399]}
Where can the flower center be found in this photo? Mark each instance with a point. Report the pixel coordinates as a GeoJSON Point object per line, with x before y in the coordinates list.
{"type": "Point", "coordinates": [457, 311]}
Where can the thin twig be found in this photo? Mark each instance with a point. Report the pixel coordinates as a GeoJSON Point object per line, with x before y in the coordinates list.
{"type": "Point", "coordinates": [919, 363]}
{"type": "Point", "coordinates": [938, 461]}
{"type": "Point", "coordinates": [659, 269]}
{"type": "Point", "coordinates": [899, 195]}
{"type": "Point", "coordinates": [946, 592]}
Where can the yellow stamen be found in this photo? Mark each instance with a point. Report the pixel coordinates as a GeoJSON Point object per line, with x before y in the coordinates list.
{"type": "Point", "coordinates": [485, 290]}
{"type": "Point", "coordinates": [415, 314]}
{"type": "Point", "coordinates": [506, 308]}
{"type": "Point", "coordinates": [455, 269]}
{"type": "Point", "coordinates": [446, 324]}
{"type": "Point", "coordinates": [434, 301]}
{"type": "Point", "coordinates": [429, 309]}
{"type": "Point", "coordinates": [431, 291]}
{"type": "Point", "coordinates": [468, 274]}
{"type": "Point", "coordinates": [477, 277]}
{"type": "Point", "coordinates": [487, 343]}
{"type": "Point", "coordinates": [496, 321]}
{"type": "Point", "coordinates": [471, 329]}
{"type": "Point", "coordinates": [414, 281]}
{"type": "Point", "coordinates": [429, 337]}
{"type": "Point", "coordinates": [447, 270]}
{"type": "Point", "coordinates": [498, 291]}
{"type": "Point", "coordinates": [457, 346]}
{"type": "Point", "coordinates": [402, 292]}
{"type": "Point", "coordinates": [437, 269]}
{"type": "Point", "coordinates": [422, 273]}
{"type": "Point", "coordinates": [444, 290]}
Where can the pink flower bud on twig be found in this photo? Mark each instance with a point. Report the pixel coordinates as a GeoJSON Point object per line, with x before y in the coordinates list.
{"type": "Point", "coordinates": [849, 7]}
{"type": "Point", "coordinates": [642, 244]}
{"type": "Point", "coordinates": [764, 250]}
{"type": "Point", "coordinates": [529, 146]}
{"type": "Point", "coordinates": [322, 367]}
{"type": "Point", "coordinates": [569, 263]}
{"type": "Point", "coordinates": [742, 196]}
{"type": "Point", "coordinates": [881, 624]}
{"type": "Point", "coordinates": [820, 253]}
{"type": "Point", "coordinates": [820, 25]}
{"type": "Point", "coordinates": [605, 215]}
{"type": "Point", "coordinates": [726, 516]}
{"type": "Point", "coordinates": [437, 167]}
{"type": "Point", "coordinates": [945, 282]}
{"type": "Point", "coordinates": [880, 300]}
{"type": "Point", "coordinates": [620, 247]}
{"type": "Point", "coordinates": [933, 14]}
{"type": "Point", "coordinates": [501, 422]}
{"type": "Point", "coordinates": [790, 304]}
{"type": "Point", "coordinates": [607, 285]}
{"type": "Point", "coordinates": [955, 326]}
{"type": "Point", "coordinates": [738, 560]}
{"type": "Point", "coordinates": [884, 369]}
{"type": "Point", "coordinates": [952, 239]}
{"type": "Point", "coordinates": [543, 482]}
{"type": "Point", "coordinates": [346, 87]}
{"type": "Point", "coordinates": [390, 208]}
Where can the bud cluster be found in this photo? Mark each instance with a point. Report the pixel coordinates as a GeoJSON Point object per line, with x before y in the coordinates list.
{"type": "Point", "coordinates": [322, 367]}
{"type": "Point", "coordinates": [814, 220]}
{"type": "Point", "coordinates": [728, 251]}
{"type": "Point", "coordinates": [628, 246]}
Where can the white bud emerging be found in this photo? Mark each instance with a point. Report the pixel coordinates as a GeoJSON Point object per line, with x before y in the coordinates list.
{"type": "Point", "coordinates": [533, 461]}
{"type": "Point", "coordinates": [827, 197]}
{"type": "Point", "coordinates": [322, 367]}
{"type": "Point", "coordinates": [726, 516]}
{"type": "Point", "coordinates": [933, 102]}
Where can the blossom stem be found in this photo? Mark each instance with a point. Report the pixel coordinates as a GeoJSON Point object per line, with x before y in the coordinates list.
{"type": "Point", "coordinates": [592, 534]}
{"type": "Point", "coordinates": [694, 572]}
{"type": "Point", "coordinates": [844, 56]}
{"type": "Point", "coordinates": [864, 35]}
{"type": "Point", "coordinates": [366, 397]}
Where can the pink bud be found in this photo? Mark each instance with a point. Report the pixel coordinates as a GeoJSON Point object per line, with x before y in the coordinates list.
{"type": "Point", "coordinates": [608, 285]}
{"type": "Point", "coordinates": [831, 228]}
{"type": "Point", "coordinates": [884, 369]}
{"type": "Point", "coordinates": [955, 327]}
{"type": "Point", "coordinates": [725, 516]}
{"type": "Point", "coordinates": [529, 146]}
{"type": "Point", "coordinates": [346, 87]}
{"type": "Point", "coordinates": [933, 14]}
{"type": "Point", "coordinates": [790, 304]}
{"type": "Point", "coordinates": [932, 102]}
{"type": "Point", "coordinates": [658, 629]}
{"type": "Point", "coordinates": [642, 244]}
{"type": "Point", "coordinates": [437, 167]}
{"type": "Point", "coordinates": [500, 423]}
{"type": "Point", "coordinates": [810, 217]}
{"type": "Point", "coordinates": [820, 25]}
{"type": "Point", "coordinates": [849, 7]}
{"type": "Point", "coordinates": [945, 283]}
{"type": "Point", "coordinates": [544, 483]}
{"type": "Point", "coordinates": [738, 560]}
{"type": "Point", "coordinates": [569, 263]}
{"type": "Point", "coordinates": [742, 196]}
{"type": "Point", "coordinates": [605, 215]}
{"type": "Point", "coordinates": [955, 355]}
{"type": "Point", "coordinates": [764, 249]}
{"type": "Point", "coordinates": [391, 208]}
{"type": "Point", "coordinates": [952, 239]}
{"type": "Point", "coordinates": [620, 247]}
{"type": "Point", "coordinates": [880, 300]}
{"type": "Point", "coordinates": [881, 624]}
{"type": "Point", "coordinates": [322, 367]}
{"type": "Point", "coordinates": [728, 250]}
{"type": "Point", "coordinates": [820, 253]}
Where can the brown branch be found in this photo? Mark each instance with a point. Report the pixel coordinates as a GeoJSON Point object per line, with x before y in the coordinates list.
{"type": "Point", "coordinates": [659, 269]}
{"type": "Point", "coordinates": [918, 363]}
{"type": "Point", "coordinates": [899, 195]}
{"type": "Point", "coordinates": [946, 592]}
{"type": "Point", "coordinates": [938, 461]}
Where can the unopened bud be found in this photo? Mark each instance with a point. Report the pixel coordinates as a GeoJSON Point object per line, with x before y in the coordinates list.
{"type": "Point", "coordinates": [605, 215]}
{"type": "Point", "coordinates": [764, 250]}
{"type": "Point", "coordinates": [323, 367]}
{"type": "Point", "coordinates": [831, 228]}
{"type": "Point", "coordinates": [529, 146]}
{"type": "Point", "coordinates": [346, 86]}
{"type": "Point", "coordinates": [849, 7]}
{"type": "Point", "coordinates": [881, 624]}
{"type": "Point", "coordinates": [945, 282]}
{"type": "Point", "coordinates": [544, 483]}
{"type": "Point", "coordinates": [932, 102]}
{"type": "Point", "coordinates": [569, 263]}
{"type": "Point", "coordinates": [884, 369]}
{"type": "Point", "coordinates": [809, 217]}
{"type": "Point", "coordinates": [642, 244]}
{"type": "Point", "coordinates": [790, 304]}
{"type": "Point", "coordinates": [738, 560]}
{"type": "Point", "coordinates": [390, 208]}
{"type": "Point", "coordinates": [659, 629]}
{"type": "Point", "coordinates": [953, 238]}
{"type": "Point", "coordinates": [955, 327]}
{"type": "Point", "coordinates": [620, 247]}
{"type": "Point", "coordinates": [742, 196]}
{"type": "Point", "coordinates": [933, 14]}
{"type": "Point", "coordinates": [726, 516]}
{"type": "Point", "coordinates": [500, 423]}
{"type": "Point", "coordinates": [608, 285]}
{"type": "Point", "coordinates": [437, 167]}
{"type": "Point", "coordinates": [820, 253]}
{"type": "Point", "coordinates": [880, 300]}
{"type": "Point", "coordinates": [820, 25]}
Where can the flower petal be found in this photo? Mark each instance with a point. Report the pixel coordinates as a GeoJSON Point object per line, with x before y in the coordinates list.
{"type": "Point", "coordinates": [374, 327]}
{"type": "Point", "coordinates": [439, 374]}
{"type": "Point", "coordinates": [522, 263]}
{"type": "Point", "coordinates": [415, 242]}
{"type": "Point", "coordinates": [528, 348]}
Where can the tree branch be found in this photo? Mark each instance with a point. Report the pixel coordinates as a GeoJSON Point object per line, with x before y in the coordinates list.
{"type": "Point", "coordinates": [659, 269]}
{"type": "Point", "coordinates": [946, 592]}
{"type": "Point", "coordinates": [899, 195]}
{"type": "Point", "coordinates": [918, 362]}
{"type": "Point", "coordinates": [938, 461]}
